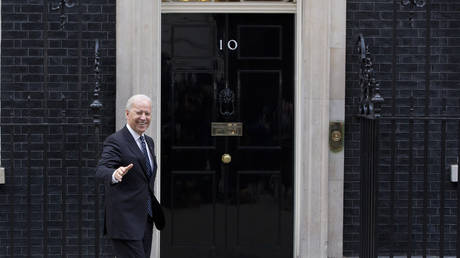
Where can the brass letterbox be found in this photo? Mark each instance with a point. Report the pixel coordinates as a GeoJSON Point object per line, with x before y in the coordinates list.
{"type": "Point", "coordinates": [227, 129]}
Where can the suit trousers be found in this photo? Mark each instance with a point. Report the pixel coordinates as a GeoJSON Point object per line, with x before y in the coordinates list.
{"type": "Point", "coordinates": [135, 248]}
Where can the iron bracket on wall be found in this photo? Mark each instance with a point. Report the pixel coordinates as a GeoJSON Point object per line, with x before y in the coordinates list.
{"type": "Point", "coordinates": [62, 5]}
{"type": "Point", "coordinates": [96, 105]}
{"type": "Point", "coordinates": [370, 100]}
{"type": "Point", "coordinates": [412, 4]}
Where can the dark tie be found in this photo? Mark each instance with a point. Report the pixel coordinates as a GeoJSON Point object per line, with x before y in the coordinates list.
{"type": "Point", "coordinates": [149, 172]}
{"type": "Point", "coordinates": [146, 156]}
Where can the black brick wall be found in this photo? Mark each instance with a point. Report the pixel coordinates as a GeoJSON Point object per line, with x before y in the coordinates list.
{"type": "Point", "coordinates": [418, 66]}
{"type": "Point", "coordinates": [49, 205]}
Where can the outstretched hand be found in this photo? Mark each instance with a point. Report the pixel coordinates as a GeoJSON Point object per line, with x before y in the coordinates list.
{"type": "Point", "coordinates": [121, 171]}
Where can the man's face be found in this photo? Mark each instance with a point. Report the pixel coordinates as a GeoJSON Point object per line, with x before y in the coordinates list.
{"type": "Point", "coordinates": [138, 117]}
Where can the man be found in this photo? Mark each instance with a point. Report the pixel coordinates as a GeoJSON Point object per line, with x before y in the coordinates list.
{"type": "Point", "coordinates": [128, 167]}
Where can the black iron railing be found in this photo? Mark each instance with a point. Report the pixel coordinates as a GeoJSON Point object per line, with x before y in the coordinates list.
{"type": "Point", "coordinates": [409, 206]}
{"type": "Point", "coordinates": [369, 113]}
{"type": "Point", "coordinates": [414, 202]}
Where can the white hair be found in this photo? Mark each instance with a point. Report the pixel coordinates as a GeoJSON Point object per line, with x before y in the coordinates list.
{"type": "Point", "coordinates": [135, 98]}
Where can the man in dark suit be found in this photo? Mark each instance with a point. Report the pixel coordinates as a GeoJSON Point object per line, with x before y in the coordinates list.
{"type": "Point", "coordinates": [128, 167]}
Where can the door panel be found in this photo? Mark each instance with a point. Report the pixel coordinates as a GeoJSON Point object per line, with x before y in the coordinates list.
{"type": "Point", "coordinates": [229, 68]}
{"type": "Point", "coordinates": [259, 94]}
{"type": "Point", "coordinates": [200, 43]}
{"type": "Point", "coordinates": [192, 94]}
{"type": "Point", "coordinates": [192, 200]}
{"type": "Point", "coordinates": [259, 41]}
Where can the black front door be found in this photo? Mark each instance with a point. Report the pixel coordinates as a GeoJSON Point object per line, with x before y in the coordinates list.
{"type": "Point", "coordinates": [227, 135]}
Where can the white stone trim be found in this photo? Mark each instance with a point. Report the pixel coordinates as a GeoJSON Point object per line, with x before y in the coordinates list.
{"type": "Point", "coordinates": [139, 69]}
{"type": "Point", "coordinates": [297, 132]}
{"type": "Point", "coordinates": [337, 42]}
{"type": "Point", "coordinates": [313, 136]}
{"type": "Point", "coordinates": [157, 132]}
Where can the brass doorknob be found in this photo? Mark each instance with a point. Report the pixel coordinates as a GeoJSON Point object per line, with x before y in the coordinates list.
{"type": "Point", "coordinates": [226, 158]}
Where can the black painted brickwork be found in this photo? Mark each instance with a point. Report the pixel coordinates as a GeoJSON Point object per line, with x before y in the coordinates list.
{"type": "Point", "coordinates": [419, 76]}
{"type": "Point", "coordinates": [47, 76]}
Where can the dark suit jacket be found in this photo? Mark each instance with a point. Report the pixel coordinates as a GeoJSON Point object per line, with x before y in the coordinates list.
{"type": "Point", "coordinates": [125, 202]}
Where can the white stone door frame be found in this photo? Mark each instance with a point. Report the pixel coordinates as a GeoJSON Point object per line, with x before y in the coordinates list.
{"type": "Point", "coordinates": [319, 99]}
